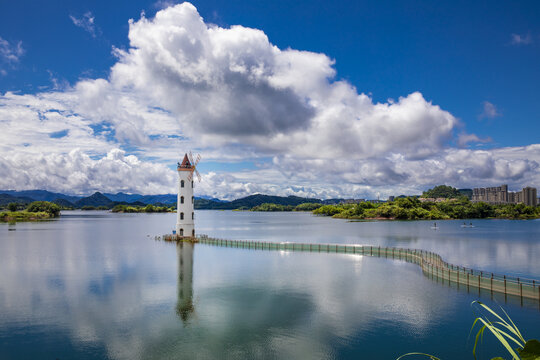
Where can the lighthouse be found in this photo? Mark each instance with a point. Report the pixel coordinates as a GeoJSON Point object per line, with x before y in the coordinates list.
{"type": "Point", "coordinates": [185, 216]}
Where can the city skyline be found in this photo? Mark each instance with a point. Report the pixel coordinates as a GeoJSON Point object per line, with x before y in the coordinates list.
{"type": "Point", "coordinates": [325, 101]}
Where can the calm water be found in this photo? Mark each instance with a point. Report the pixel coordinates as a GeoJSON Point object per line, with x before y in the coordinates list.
{"type": "Point", "coordinates": [96, 285]}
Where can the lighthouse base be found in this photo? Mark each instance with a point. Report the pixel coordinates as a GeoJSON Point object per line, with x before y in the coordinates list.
{"type": "Point", "coordinates": [185, 230]}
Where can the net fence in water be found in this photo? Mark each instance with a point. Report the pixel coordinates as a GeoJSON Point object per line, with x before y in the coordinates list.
{"type": "Point", "coordinates": [431, 263]}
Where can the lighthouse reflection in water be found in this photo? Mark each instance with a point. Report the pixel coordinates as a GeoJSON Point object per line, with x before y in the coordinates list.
{"type": "Point", "coordinates": [184, 306]}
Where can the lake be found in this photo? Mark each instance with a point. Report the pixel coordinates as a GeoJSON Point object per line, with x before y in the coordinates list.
{"type": "Point", "coordinates": [98, 285]}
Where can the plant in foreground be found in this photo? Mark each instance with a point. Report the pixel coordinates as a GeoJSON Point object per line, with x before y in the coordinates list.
{"type": "Point", "coordinates": [505, 331]}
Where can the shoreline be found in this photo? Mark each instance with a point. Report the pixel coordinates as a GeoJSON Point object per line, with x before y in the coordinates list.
{"type": "Point", "coordinates": [24, 216]}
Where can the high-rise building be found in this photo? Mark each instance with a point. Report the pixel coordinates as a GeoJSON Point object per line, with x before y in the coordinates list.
{"type": "Point", "coordinates": [491, 195]}
{"type": "Point", "coordinates": [529, 196]}
{"type": "Point", "coordinates": [501, 195]}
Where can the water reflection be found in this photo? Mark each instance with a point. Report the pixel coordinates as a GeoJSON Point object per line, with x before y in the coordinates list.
{"type": "Point", "coordinates": [184, 305]}
{"type": "Point", "coordinates": [92, 287]}
{"type": "Point", "coordinates": [499, 246]}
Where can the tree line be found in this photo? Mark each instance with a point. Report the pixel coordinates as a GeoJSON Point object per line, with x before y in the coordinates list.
{"type": "Point", "coordinates": [410, 208]}
{"type": "Point", "coordinates": [37, 210]}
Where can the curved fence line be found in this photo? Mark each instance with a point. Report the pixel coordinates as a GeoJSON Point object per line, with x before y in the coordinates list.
{"type": "Point", "coordinates": [430, 262]}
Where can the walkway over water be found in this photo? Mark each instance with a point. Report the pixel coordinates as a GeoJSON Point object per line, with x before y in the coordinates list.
{"type": "Point", "coordinates": [431, 263]}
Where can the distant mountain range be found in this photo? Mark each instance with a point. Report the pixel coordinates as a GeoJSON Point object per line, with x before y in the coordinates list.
{"type": "Point", "coordinates": [40, 195]}
{"type": "Point", "coordinates": [110, 200]}
{"type": "Point", "coordinates": [253, 200]}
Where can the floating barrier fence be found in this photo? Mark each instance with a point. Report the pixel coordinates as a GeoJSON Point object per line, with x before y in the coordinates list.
{"type": "Point", "coordinates": [431, 263]}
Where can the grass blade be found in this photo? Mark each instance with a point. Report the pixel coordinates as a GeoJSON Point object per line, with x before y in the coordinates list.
{"type": "Point", "coordinates": [502, 340]}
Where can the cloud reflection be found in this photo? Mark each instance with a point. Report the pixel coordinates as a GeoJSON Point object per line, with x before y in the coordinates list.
{"type": "Point", "coordinates": [102, 286]}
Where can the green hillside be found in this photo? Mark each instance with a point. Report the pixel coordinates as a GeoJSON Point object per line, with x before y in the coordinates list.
{"type": "Point", "coordinates": [6, 199]}
{"type": "Point", "coordinates": [97, 199]}
{"type": "Point", "coordinates": [251, 201]}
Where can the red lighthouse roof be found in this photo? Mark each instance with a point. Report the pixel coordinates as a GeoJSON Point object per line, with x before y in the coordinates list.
{"type": "Point", "coordinates": [185, 163]}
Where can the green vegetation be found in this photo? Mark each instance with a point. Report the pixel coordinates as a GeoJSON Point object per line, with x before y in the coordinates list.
{"type": "Point", "coordinates": [508, 335]}
{"type": "Point", "coordinates": [6, 199]}
{"type": "Point", "coordinates": [38, 210]}
{"type": "Point", "coordinates": [15, 216]}
{"type": "Point", "coordinates": [64, 204]}
{"type": "Point", "coordinates": [141, 209]}
{"type": "Point", "coordinates": [442, 191]}
{"type": "Point", "coordinates": [44, 206]}
{"type": "Point", "coordinates": [249, 202]}
{"type": "Point", "coordinates": [307, 207]}
{"type": "Point", "coordinates": [242, 208]}
{"type": "Point", "coordinates": [413, 209]}
{"type": "Point", "coordinates": [505, 331]}
{"type": "Point", "coordinates": [90, 207]}
{"type": "Point", "coordinates": [272, 207]}
{"type": "Point", "coordinates": [279, 207]}
{"type": "Point", "coordinates": [331, 210]}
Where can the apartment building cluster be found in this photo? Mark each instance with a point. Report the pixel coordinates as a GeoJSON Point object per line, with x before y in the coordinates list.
{"type": "Point", "coordinates": [501, 195]}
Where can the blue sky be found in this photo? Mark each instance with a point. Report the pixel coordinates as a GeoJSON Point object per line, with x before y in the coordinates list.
{"type": "Point", "coordinates": [478, 61]}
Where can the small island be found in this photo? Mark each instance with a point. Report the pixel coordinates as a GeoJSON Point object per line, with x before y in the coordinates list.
{"type": "Point", "coordinates": [35, 211]}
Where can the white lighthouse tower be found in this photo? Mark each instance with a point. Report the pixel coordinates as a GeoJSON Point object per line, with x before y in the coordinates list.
{"type": "Point", "coordinates": [185, 216]}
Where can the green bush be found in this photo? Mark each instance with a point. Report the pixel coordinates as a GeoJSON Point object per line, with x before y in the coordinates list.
{"type": "Point", "coordinates": [371, 213]}
{"type": "Point", "coordinates": [329, 210]}
{"type": "Point", "coordinates": [121, 208]}
{"type": "Point", "coordinates": [387, 211]}
{"type": "Point", "coordinates": [44, 206]}
{"type": "Point", "coordinates": [307, 207]}
{"type": "Point", "coordinates": [407, 203]}
{"type": "Point", "coordinates": [118, 208]}
{"type": "Point", "coordinates": [442, 191]}
{"type": "Point", "coordinates": [272, 207]}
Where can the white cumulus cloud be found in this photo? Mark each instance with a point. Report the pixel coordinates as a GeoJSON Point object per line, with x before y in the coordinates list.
{"type": "Point", "coordinates": [78, 173]}
{"type": "Point", "coordinates": [232, 85]}
{"type": "Point", "coordinates": [230, 93]}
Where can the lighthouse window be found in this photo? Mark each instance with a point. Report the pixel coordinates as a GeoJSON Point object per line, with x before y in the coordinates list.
{"type": "Point", "coordinates": [181, 183]}
{"type": "Point", "coordinates": [181, 216]}
{"type": "Point", "coordinates": [192, 216]}
{"type": "Point", "coordinates": [193, 232]}
{"type": "Point", "coordinates": [193, 199]}
{"type": "Point", "coordinates": [191, 183]}
{"type": "Point", "coordinates": [181, 199]}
